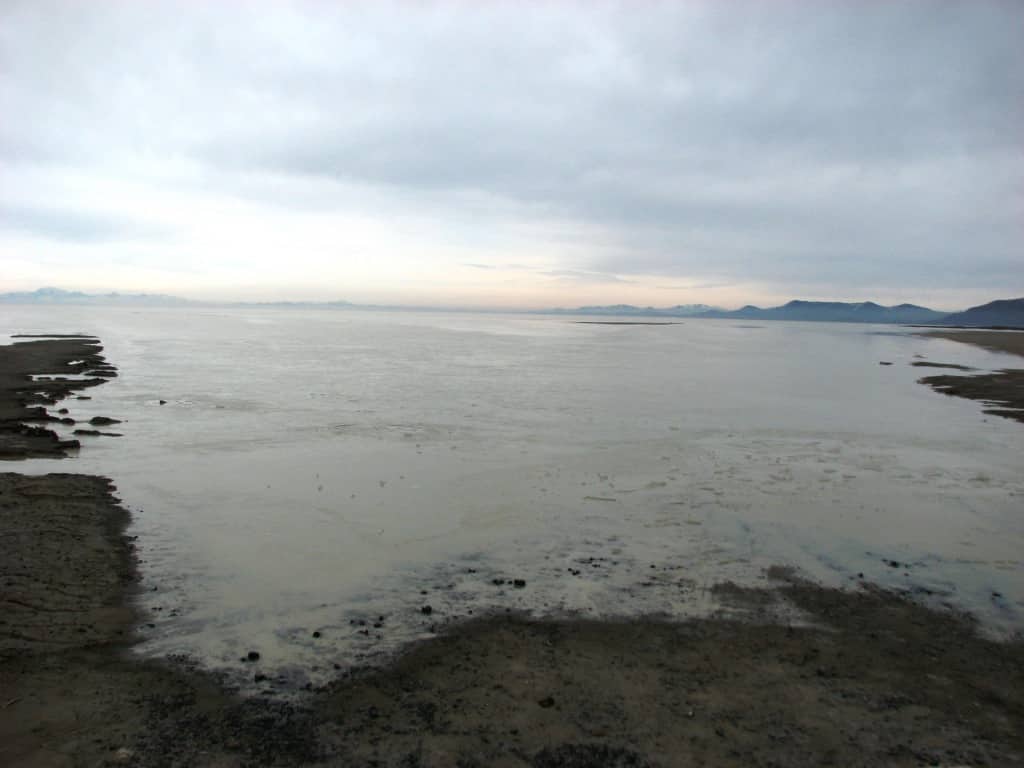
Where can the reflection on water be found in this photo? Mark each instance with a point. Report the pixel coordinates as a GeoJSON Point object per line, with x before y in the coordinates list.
{"type": "Point", "coordinates": [337, 472]}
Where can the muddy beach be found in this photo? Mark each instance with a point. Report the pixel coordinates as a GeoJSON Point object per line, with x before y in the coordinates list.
{"type": "Point", "coordinates": [788, 674]}
{"type": "Point", "coordinates": [1002, 391]}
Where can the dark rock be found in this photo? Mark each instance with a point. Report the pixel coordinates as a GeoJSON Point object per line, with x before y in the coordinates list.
{"type": "Point", "coordinates": [316, 634]}
{"type": "Point", "coordinates": [547, 702]}
{"type": "Point", "coordinates": [252, 656]}
{"type": "Point", "coordinates": [883, 362]}
{"type": "Point", "coordinates": [426, 610]}
{"type": "Point", "coordinates": [259, 677]}
{"type": "Point", "coordinates": [83, 397]}
{"type": "Point", "coordinates": [103, 421]}
{"type": "Point", "coordinates": [497, 582]}
{"type": "Point", "coordinates": [67, 421]}
{"type": "Point", "coordinates": [519, 583]}
{"type": "Point", "coordinates": [63, 410]}
{"type": "Point", "coordinates": [163, 402]}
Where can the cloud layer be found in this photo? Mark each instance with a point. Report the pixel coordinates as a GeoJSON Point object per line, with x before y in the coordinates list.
{"type": "Point", "coordinates": [659, 152]}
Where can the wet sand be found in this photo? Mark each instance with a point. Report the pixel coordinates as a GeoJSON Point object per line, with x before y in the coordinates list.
{"type": "Point", "coordinates": [788, 674]}
{"type": "Point", "coordinates": [996, 341]}
{"type": "Point", "coordinates": [1003, 390]}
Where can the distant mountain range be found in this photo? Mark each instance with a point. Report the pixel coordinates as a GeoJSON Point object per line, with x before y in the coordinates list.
{"type": "Point", "coordinates": [1003, 313]}
{"type": "Point", "coordinates": [59, 296]}
{"type": "Point", "coordinates": [1006, 313]}
{"type": "Point", "coordinates": [835, 312]}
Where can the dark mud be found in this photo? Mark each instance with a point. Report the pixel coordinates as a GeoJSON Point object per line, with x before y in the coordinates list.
{"type": "Point", "coordinates": [1002, 390]}
{"type": "Point", "coordinates": [33, 376]}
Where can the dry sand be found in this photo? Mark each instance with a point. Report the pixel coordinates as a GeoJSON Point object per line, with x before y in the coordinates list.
{"type": "Point", "coordinates": [865, 677]}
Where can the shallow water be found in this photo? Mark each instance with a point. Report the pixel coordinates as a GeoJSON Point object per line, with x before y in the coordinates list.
{"type": "Point", "coordinates": [313, 469]}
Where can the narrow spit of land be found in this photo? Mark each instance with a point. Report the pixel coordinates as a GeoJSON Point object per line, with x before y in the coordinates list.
{"type": "Point", "coordinates": [1003, 390]}
{"type": "Point", "coordinates": [866, 677]}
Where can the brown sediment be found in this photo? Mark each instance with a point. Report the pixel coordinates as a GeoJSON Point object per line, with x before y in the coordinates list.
{"type": "Point", "coordinates": [996, 341]}
{"type": "Point", "coordinates": [868, 677]}
{"type": "Point", "coordinates": [1002, 390]}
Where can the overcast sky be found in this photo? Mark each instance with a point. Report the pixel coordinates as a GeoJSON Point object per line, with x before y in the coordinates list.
{"type": "Point", "coordinates": [515, 154]}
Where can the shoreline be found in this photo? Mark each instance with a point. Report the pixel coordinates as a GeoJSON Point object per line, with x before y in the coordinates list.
{"type": "Point", "coordinates": [1003, 390]}
{"type": "Point", "coordinates": [868, 677]}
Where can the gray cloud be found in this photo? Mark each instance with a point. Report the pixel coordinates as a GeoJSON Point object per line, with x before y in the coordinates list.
{"type": "Point", "coordinates": [75, 226]}
{"type": "Point", "coordinates": [812, 144]}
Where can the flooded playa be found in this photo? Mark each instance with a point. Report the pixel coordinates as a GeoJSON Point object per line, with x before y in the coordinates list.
{"type": "Point", "coordinates": [323, 487]}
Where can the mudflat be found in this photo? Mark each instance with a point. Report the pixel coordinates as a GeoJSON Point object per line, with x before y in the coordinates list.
{"type": "Point", "coordinates": [38, 373]}
{"type": "Point", "coordinates": [1002, 390]}
{"type": "Point", "coordinates": [997, 341]}
{"type": "Point", "coordinates": [788, 674]}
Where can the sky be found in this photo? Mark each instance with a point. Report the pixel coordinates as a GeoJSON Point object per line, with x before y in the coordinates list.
{"type": "Point", "coordinates": [518, 154]}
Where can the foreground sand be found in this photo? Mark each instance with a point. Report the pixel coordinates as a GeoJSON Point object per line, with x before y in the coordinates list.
{"type": "Point", "coordinates": [865, 677]}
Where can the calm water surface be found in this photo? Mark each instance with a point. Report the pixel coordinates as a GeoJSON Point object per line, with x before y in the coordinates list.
{"type": "Point", "coordinates": [313, 469]}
